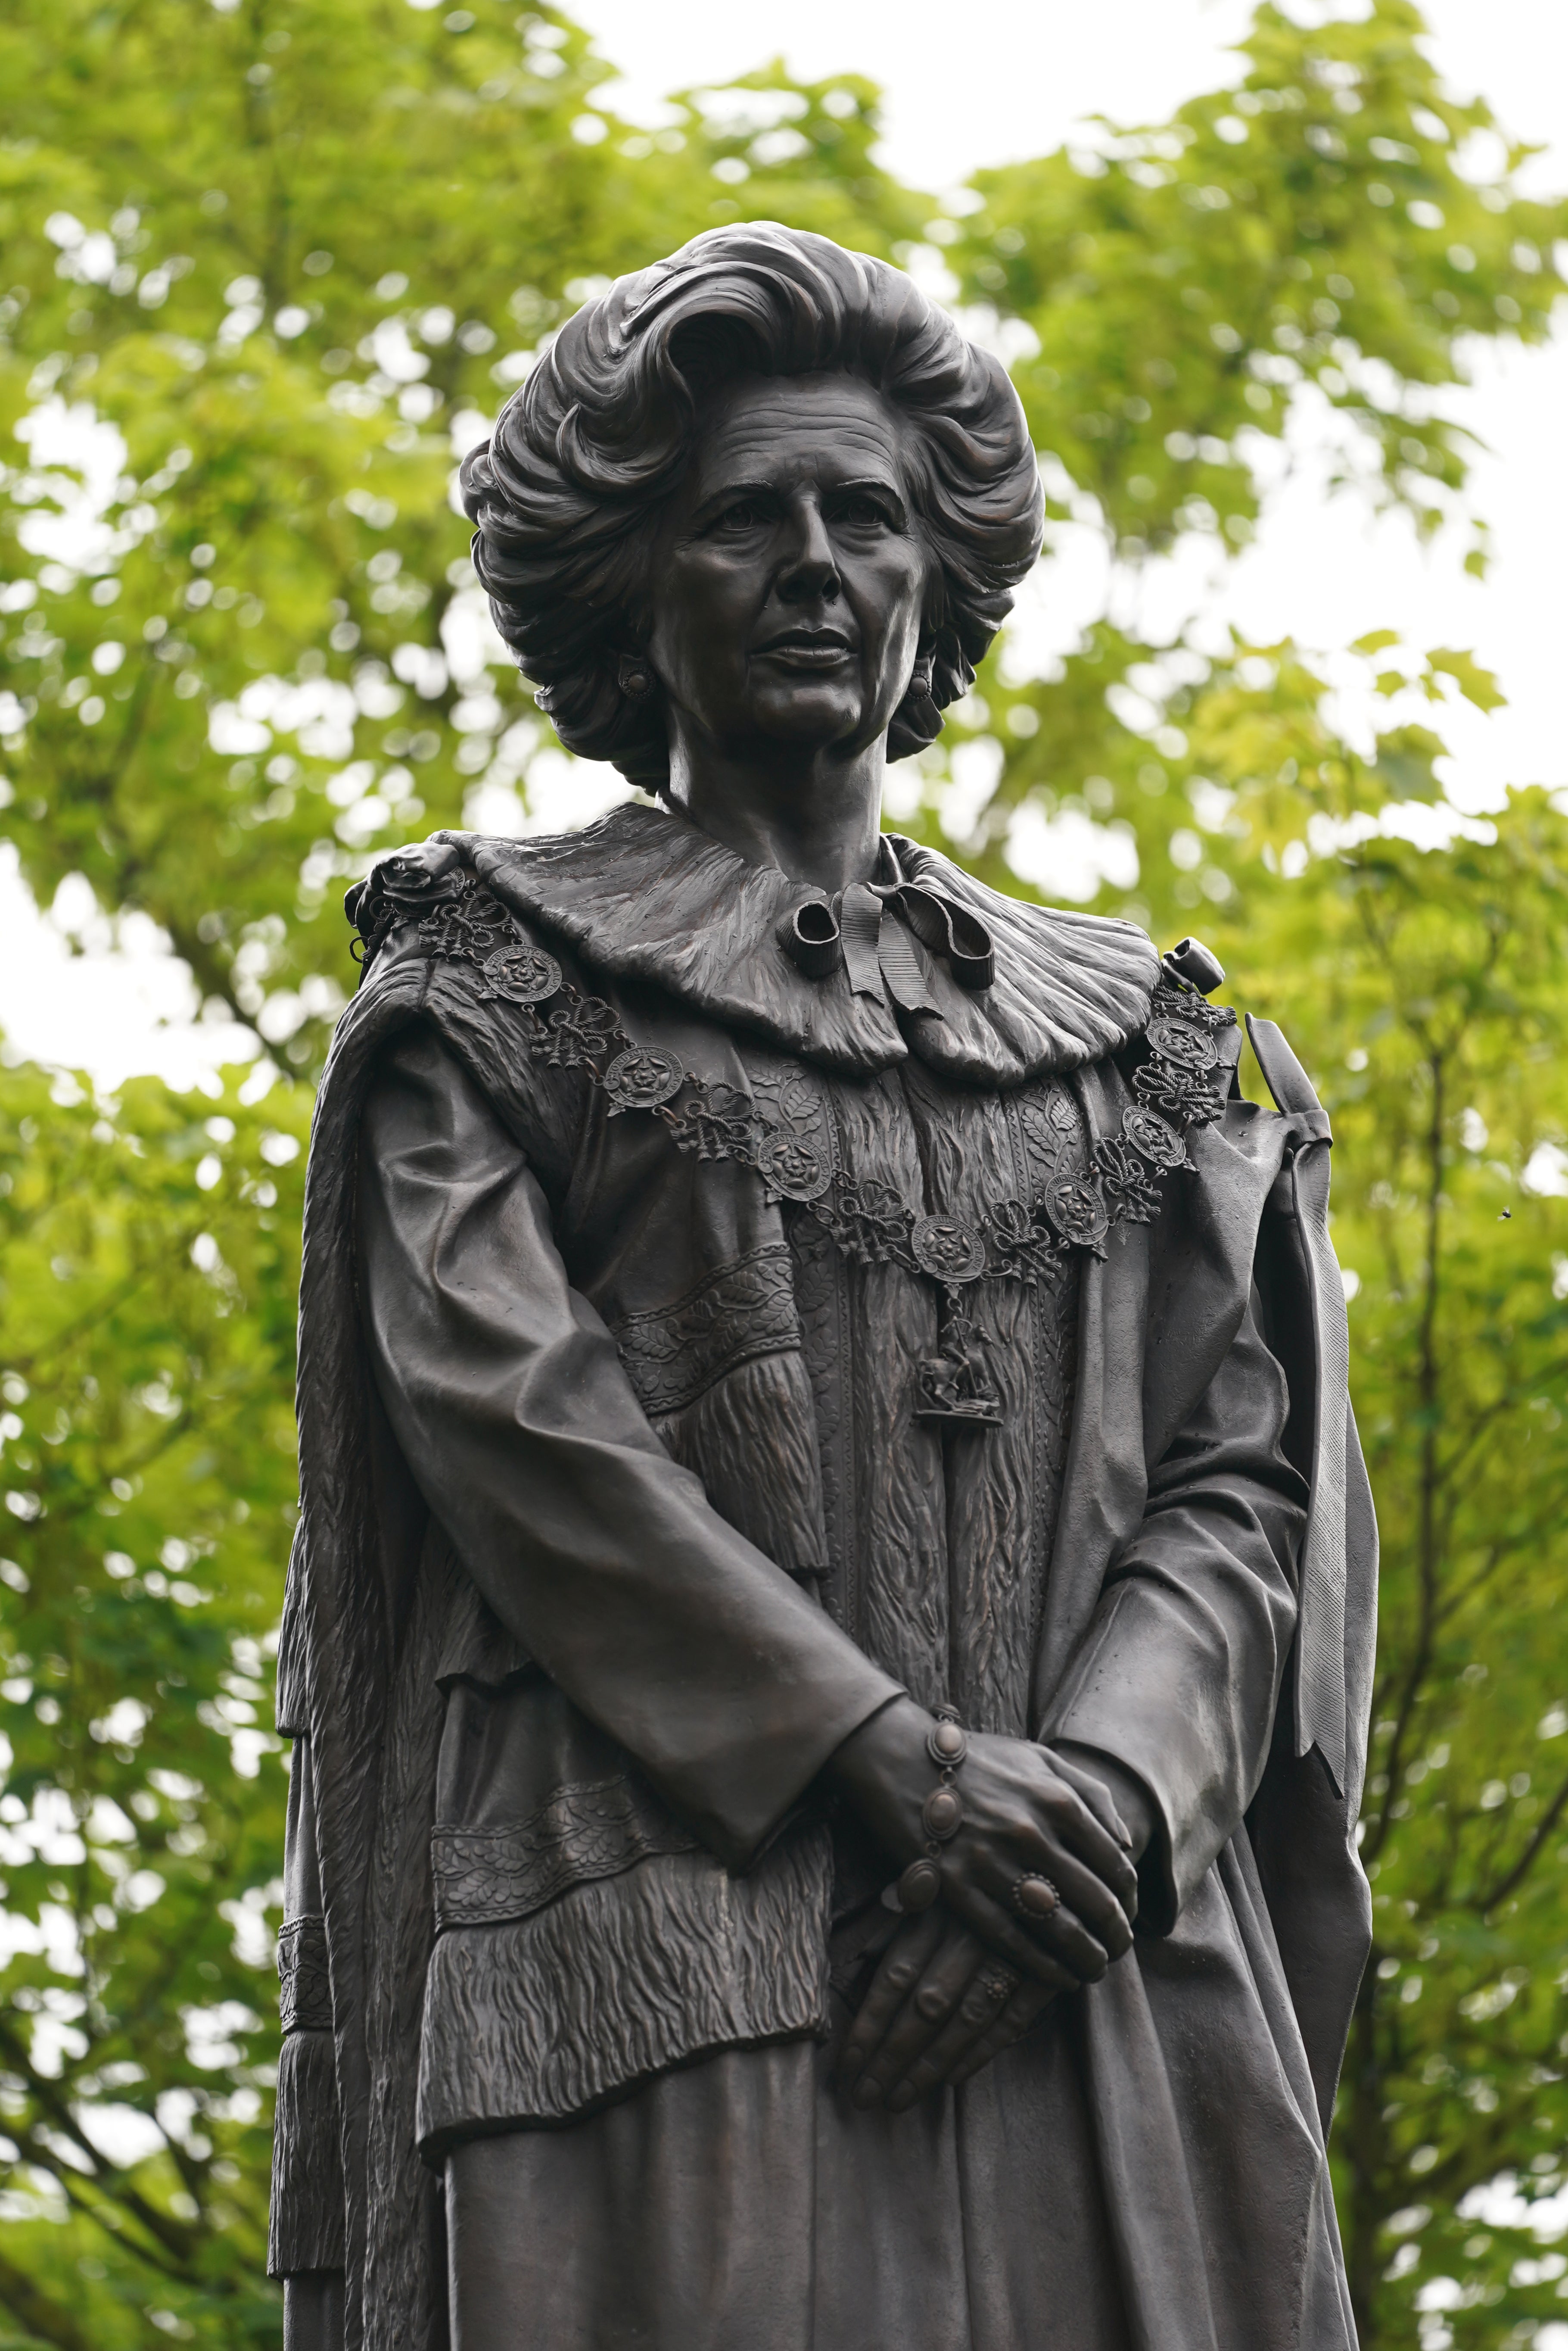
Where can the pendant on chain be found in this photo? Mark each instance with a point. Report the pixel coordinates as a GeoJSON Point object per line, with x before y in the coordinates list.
{"type": "Point", "coordinates": [953, 1388]}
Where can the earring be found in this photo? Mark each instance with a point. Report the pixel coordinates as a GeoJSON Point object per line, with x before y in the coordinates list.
{"type": "Point", "coordinates": [920, 676]}
{"type": "Point", "coordinates": [634, 677]}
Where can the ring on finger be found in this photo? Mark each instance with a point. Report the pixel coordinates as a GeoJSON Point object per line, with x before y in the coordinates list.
{"type": "Point", "coordinates": [1034, 1898]}
{"type": "Point", "coordinates": [935, 2002]}
{"type": "Point", "coordinates": [999, 1984]}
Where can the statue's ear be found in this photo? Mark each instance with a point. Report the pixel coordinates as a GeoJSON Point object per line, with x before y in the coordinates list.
{"type": "Point", "coordinates": [917, 721]}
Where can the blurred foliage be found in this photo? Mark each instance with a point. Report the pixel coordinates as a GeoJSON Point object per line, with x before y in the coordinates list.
{"type": "Point", "coordinates": [1425, 991]}
{"type": "Point", "coordinates": [150, 1247]}
{"type": "Point", "coordinates": [1219, 774]}
{"type": "Point", "coordinates": [1319, 223]}
{"type": "Point", "coordinates": [286, 259]}
{"type": "Point", "coordinates": [1320, 243]}
{"type": "Point", "coordinates": [295, 253]}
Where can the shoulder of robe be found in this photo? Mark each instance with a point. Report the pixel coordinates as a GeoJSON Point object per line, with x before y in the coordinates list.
{"type": "Point", "coordinates": [428, 901]}
{"type": "Point", "coordinates": [641, 896]}
{"type": "Point", "coordinates": [1186, 1067]}
{"type": "Point", "coordinates": [409, 883]}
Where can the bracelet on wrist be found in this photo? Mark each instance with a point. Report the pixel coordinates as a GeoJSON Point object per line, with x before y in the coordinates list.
{"type": "Point", "coordinates": [941, 1814]}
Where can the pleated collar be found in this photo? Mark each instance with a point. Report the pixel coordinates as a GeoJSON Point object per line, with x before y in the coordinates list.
{"type": "Point", "coordinates": [645, 896]}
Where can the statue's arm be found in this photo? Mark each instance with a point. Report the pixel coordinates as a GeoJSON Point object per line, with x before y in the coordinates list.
{"type": "Point", "coordinates": [1176, 1683]}
{"type": "Point", "coordinates": [510, 1403]}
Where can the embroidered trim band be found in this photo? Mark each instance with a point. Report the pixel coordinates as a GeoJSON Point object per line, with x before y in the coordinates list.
{"type": "Point", "coordinates": [740, 1312]}
{"type": "Point", "coordinates": [589, 1829]}
{"type": "Point", "coordinates": [304, 1984]}
{"type": "Point", "coordinates": [1018, 1240]}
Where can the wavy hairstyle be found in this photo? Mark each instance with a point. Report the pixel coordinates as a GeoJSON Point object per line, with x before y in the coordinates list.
{"type": "Point", "coordinates": [566, 496]}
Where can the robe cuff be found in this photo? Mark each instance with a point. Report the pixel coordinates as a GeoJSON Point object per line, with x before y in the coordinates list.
{"type": "Point", "coordinates": [1181, 1737]}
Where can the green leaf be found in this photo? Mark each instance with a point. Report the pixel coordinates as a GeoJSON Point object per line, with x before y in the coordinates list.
{"type": "Point", "coordinates": [1477, 684]}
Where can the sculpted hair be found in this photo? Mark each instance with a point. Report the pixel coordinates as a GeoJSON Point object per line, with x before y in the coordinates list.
{"type": "Point", "coordinates": [567, 493]}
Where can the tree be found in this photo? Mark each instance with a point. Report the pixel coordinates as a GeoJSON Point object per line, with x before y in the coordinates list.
{"type": "Point", "coordinates": [294, 256]}
{"type": "Point", "coordinates": [1425, 992]}
{"type": "Point", "coordinates": [151, 1251]}
{"type": "Point", "coordinates": [290, 251]}
{"type": "Point", "coordinates": [1308, 238]}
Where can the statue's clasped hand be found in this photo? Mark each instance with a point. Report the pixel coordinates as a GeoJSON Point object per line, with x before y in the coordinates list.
{"type": "Point", "coordinates": [1020, 1882]}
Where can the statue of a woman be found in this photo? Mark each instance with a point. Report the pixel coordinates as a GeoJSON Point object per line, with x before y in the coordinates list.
{"type": "Point", "coordinates": [828, 1641]}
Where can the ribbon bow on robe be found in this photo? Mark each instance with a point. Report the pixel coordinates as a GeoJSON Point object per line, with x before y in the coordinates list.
{"type": "Point", "coordinates": [878, 955]}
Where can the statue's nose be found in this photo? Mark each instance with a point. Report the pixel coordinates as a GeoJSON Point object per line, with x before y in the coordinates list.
{"type": "Point", "coordinates": [809, 573]}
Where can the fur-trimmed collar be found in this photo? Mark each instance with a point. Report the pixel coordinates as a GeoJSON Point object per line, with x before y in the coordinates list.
{"type": "Point", "coordinates": [644, 895]}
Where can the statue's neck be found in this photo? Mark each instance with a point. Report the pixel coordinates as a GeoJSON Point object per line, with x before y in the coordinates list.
{"type": "Point", "coordinates": [817, 819]}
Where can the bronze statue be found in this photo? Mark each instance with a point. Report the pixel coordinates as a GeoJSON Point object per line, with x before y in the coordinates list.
{"type": "Point", "coordinates": [829, 1640]}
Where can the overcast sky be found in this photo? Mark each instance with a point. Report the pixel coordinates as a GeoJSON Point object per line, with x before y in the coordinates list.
{"type": "Point", "coordinates": [955, 103]}
{"type": "Point", "coordinates": [1008, 78]}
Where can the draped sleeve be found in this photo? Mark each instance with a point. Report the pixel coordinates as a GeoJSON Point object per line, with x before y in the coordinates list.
{"type": "Point", "coordinates": [1178, 1674]}
{"type": "Point", "coordinates": [729, 1687]}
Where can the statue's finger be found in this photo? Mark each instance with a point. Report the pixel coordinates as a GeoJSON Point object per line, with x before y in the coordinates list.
{"type": "Point", "coordinates": [1006, 1937]}
{"type": "Point", "coordinates": [1068, 1822]}
{"type": "Point", "coordinates": [989, 1992]}
{"type": "Point", "coordinates": [1094, 1794]}
{"type": "Point", "coordinates": [1079, 1892]}
{"type": "Point", "coordinates": [925, 2013]}
{"type": "Point", "coordinates": [1020, 2012]}
{"type": "Point", "coordinates": [902, 1965]}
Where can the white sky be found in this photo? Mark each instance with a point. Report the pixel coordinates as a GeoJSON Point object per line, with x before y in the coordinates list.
{"type": "Point", "coordinates": [1318, 571]}
{"type": "Point", "coordinates": [1034, 68]}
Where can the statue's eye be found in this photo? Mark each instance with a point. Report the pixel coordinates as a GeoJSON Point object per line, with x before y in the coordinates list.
{"type": "Point", "coordinates": [745, 514]}
{"type": "Point", "coordinates": [862, 513]}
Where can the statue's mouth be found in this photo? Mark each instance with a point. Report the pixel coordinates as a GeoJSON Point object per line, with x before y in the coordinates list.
{"type": "Point", "coordinates": [808, 649]}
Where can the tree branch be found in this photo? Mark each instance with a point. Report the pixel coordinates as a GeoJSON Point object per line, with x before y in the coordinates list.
{"type": "Point", "coordinates": [56, 2106]}
{"type": "Point", "coordinates": [37, 2313]}
{"type": "Point", "coordinates": [1523, 1866]}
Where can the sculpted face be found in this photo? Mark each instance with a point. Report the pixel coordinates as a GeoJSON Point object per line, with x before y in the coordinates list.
{"type": "Point", "coordinates": [789, 580]}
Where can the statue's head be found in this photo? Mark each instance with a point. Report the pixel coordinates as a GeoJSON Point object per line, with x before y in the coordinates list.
{"type": "Point", "coordinates": [764, 492]}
